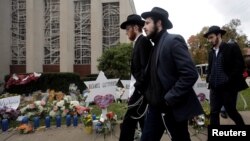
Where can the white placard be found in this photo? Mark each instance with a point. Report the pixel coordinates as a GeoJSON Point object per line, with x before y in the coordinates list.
{"type": "Point", "coordinates": [248, 81]}
{"type": "Point", "coordinates": [102, 86]}
{"type": "Point", "coordinates": [126, 85]}
{"type": "Point", "coordinates": [201, 87]}
{"type": "Point", "coordinates": [10, 102]}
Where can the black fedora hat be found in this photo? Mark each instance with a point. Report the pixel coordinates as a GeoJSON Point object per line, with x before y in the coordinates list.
{"type": "Point", "coordinates": [214, 29]}
{"type": "Point", "coordinates": [161, 13]}
{"type": "Point", "coordinates": [132, 19]}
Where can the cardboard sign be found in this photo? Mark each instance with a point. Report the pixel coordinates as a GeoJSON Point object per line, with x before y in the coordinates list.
{"type": "Point", "coordinates": [10, 102]}
{"type": "Point", "coordinates": [126, 85]}
{"type": "Point", "coordinates": [201, 88]}
{"type": "Point", "coordinates": [102, 86]}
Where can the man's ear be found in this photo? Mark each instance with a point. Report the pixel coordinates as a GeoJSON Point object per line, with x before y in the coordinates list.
{"type": "Point", "coordinates": [136, 27]}
{"type": "Point", "coordinates": [159, 23]}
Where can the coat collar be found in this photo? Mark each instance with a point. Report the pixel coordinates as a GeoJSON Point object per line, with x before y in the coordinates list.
{"type": "Point", "coordinates": [223, 45]}
{"type": "Point", "coordinates": [160, 45]}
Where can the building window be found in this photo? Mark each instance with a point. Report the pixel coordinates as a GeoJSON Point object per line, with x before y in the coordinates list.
{"type": "Point", "coordinates": [111, 31]}
{"type": "Point", "coordinates": [52, 32]}
{"type": "Point", "coordinates": [82, 20]}
{"type": "Point", "coordinates": [18, 32]}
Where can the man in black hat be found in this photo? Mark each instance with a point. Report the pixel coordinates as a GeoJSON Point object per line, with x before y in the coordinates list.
{"type": "Point", "coordinates": [140, 55]}
{"type": "Point", "coordinates": [171, 75]}
{"type": "Point", "coordinates": [225, 76]}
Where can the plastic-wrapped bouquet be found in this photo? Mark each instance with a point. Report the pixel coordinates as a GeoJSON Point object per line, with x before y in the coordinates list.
{"type": "Point", "coordinates": [87, 122]}
{"type": "Point", "coordinates": [9, 113]}
{"type": "Point", "coordinates": [25, 128]}
{"type": "Point", "coordinates": [33, 109]}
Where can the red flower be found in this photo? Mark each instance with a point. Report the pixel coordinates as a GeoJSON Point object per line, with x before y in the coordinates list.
{"type": "Point", "coordinates": [110, 115]}
{"type": "Point", "coordinates": [245, 74]}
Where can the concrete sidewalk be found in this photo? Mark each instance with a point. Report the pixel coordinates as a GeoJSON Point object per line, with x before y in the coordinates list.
{"type": "Point", "coordinates": [78, 134]}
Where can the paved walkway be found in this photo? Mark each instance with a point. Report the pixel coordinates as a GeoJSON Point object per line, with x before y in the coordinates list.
{"type": "Point", "coordinates": [77, 133]}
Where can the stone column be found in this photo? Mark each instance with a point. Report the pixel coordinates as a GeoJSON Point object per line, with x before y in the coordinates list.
{"type": "Point", "coordinates": [96, 33]}
{"type": "Point", "coordinates": [34, 35]}
{"type": "Point", "coordinates": [66, 35]}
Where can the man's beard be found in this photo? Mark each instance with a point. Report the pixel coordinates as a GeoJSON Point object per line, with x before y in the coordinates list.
{"type": "Point", "coordinates": [132, 36]}
{"type": "Point", "coordinates": [153, 34]}
{"type": "Point", "coordinates": [216, 42]}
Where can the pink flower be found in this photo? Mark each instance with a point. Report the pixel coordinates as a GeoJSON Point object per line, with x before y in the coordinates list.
{"type": "Point", "coordinates": [81, 109]}
{"type": "Point", "coordinates": [32, 106]}
{"type": "Point", "coordinates": [55, 108]}
{"type": "Point", "coordinates": [43, 103]}
{"type": "Point", "coordinates": [8, 110]}
{"type": "Point", "coordinates": [65, 111]}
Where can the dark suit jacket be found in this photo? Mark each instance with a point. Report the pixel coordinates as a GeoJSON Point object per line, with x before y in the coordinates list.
{"type": "Point", "coordinates": [177, 74]}
{"type": "Point", "coordinates": [140, 57]}
{"type": "Point", "coordinates": [233, 65]}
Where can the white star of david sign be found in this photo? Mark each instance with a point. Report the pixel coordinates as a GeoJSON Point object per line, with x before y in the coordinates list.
{"type": "Point", "coordinates": [101, 86]}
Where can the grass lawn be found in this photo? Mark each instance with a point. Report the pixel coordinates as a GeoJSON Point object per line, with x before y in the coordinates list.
{"type": "Point", "coordinates": [240, 102]}
{"type": "Point", "coordinates": [120, 108]}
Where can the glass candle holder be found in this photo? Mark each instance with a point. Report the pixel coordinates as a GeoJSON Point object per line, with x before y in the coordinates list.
{"type": "Point", "coordinates": [36, 122]}
{"type": "Point", "coordinates": [58, 121]}
{"type": "Point", "coordinates": [75, 120]}
{"type": "Point", "coordinates": [5, 125]}
{"type": "Point", "coordinates": [47, 122]}
{"type": "Point", "coordinates": [68, 120]}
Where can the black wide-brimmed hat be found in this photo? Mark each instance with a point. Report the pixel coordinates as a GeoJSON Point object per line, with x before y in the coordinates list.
{"type": "Point", "coordinates": [214, 29]}
{"type": "Point", "coordinates": [161, 13]}
{"type": "Point", "coordinates": [132, 19]}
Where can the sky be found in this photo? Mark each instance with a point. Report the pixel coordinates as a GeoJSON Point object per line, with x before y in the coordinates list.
{"type": "Point", "coordinates": [190, 16]}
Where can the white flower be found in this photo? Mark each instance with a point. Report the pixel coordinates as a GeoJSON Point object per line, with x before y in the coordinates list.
{"type": "Point", "coordinates": [23, 109]}
{"type": "Point", "coordinates": [37, 103]}
{"type": "Point", "coordinates": [73, 104]}
{"type": "Point", "coordinates": [54, 102]}
{"type": "Point", "coordinates": [67, 98]}
{"type": "Point", "coordinates": [40, 108]}
{"type": "Point", "coordinates": [52, 113]}
{"type": "Point", "coordinates": [115, 117]}
{"type": "Point", "coordinates": [63, 108]}
{"type": "Point", "coordinates": [200, 120]}
{"type": "Point", "coordinates": [60, 103]}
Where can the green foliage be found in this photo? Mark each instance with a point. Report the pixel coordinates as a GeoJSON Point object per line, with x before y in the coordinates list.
{"type": "Point", "coordinates": [234, 34]}
{"type": "Point", "coordinates": [199, 46]}
{"type": "Point", "coordinates": [118, 108]}
{"type": "Point", "coordinates": [240, 103]}
{"type": "Point", "coordinates": [115, 61]}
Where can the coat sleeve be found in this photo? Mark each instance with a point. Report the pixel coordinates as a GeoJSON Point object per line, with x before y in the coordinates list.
{"type": "Point", "coordinates": [144, 52]}
{"type": "Point", "coordinates": [210, 58]}
{"type": "Point", "coordinates": [237, 62]}
{"type": "Point", "coordinates": [187, 74]}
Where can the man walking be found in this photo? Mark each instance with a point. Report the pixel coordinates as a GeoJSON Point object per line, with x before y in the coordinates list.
{"type": "Point", "coordinates": [171, 75]}
{"type": "Point", "coordinates": [140, 55]}
{"type": "Point", "coordinates": [225, 76]}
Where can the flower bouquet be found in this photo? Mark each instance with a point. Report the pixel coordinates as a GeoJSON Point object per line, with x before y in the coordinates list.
{"type": "Point", "coordinates": [33, 109]}
{"type": "Point", "coordinates": [200, 122]}
{"type": "Point", "coordinates": [87, 122]}
{"type": "Point", "coordinates": [25, 128]}
{"type": "Point", "coordinates": [106, 126]}
{"type": "Point", "coordinates": [9, 113]}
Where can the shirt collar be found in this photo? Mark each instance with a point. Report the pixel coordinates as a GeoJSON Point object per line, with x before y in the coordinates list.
{"type": "Point", "coordinates": [137, 37]}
